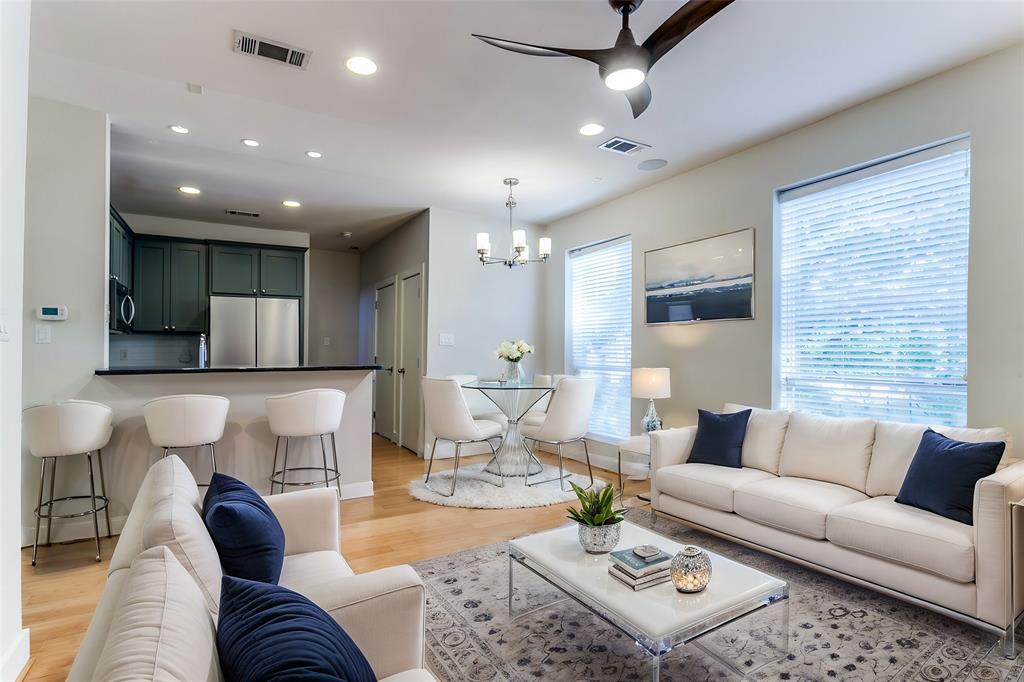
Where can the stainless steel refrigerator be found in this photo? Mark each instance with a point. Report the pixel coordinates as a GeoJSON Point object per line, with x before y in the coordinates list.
{"type": "Point", "coordinates": [254, 332]}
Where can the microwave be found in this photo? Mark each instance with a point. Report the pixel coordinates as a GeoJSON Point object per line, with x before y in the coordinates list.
{"type": "Point", "coordinates": [122, 307]}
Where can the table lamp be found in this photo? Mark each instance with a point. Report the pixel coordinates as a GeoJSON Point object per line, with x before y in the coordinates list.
{"type": "Point", "coordinates": [651, 383]}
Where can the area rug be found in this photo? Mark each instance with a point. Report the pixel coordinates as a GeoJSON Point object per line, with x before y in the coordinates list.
{"type": "Point", "coordinates": [837, 631]}
{"type": "Point", "coordinates": [478, 489]}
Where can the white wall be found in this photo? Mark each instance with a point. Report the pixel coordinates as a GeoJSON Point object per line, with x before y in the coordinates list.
{"type": "Point", "coordinates": [14, 39]}
{"type": "Point", "coordinates": [333, 299]}
{"type": "Point", "coordinates": [716, 362]}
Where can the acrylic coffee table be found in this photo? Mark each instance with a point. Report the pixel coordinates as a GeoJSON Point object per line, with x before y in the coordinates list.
{"type": "Point", "coordinates": [658, 619]}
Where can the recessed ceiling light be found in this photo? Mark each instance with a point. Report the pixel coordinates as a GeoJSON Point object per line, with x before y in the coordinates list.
{"type": "Point", "coordinates": [290, 203]}
{"type": "Point", "coordinates": [185, 189]}
{"type": "Point", "coordinates": [652, 164]}
{"type": "Point", "coordinates": [364, 66]}
{"type": "Point", "coordinates": [314, 155]}
{"type": "Point", "coordinates": [248, 142]}
{"type": "Point", "coordinates": [591, 129]}
{"type": "Point", "coordinates": [181, 130]}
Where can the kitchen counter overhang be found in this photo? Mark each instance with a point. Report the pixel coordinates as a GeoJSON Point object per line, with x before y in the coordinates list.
{"type": "Point", "coordinates": [129, 371]}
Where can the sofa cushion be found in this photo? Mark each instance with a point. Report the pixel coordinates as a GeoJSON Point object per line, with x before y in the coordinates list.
{"type": "Point", "coordinates": [944, 473]}
{"type": "Point", "coordinates": [705, 484]}
{"type": "Point", "coordinates": [913, 537]}
{"type": "Point", "coordinates": [312, 568]}
{"type": "Point", "coordinates": [176, 524]}
{"type": "Point", "coordinates": [161, 628]}
{"type": "Point", "coordinates": [766, 430]}
{"type": "Point", "coordinates": [267, 632]}
{"type": "Point", "coordinates": [797, 505]}
{"type": "Point", "coordinates": [828, 449]}
{"type": "Point", "coordinates": [418, 675]}
{"type": "Point", "coordinates": [719, 439]}
{"type": "Point", "coordinates": [248, 537]}
{"type": "Point", "coordinates": [896, 444]}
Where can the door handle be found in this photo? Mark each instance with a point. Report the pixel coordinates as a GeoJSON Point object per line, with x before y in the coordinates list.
{"type": "Point", "coordinates": [389, 370]}
{"type": "Point", "coordinates": [402, 371]}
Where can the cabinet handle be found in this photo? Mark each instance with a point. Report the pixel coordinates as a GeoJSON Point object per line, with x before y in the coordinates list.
{"type": "Point", "coordinates": [165, 327]}
{"type": "Point", "coordinates": [254, 291]}
{"type": "Point", "coordinates": [172, 327]}
{"type": "Point", "coordinates": [263, 291]}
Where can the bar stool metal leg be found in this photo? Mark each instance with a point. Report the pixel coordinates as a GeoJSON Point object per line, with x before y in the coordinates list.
{"type": "Point", "coordinates": [273, 469]}
{"type": "Point", "coordinates": [103, 490]}
{"type": "Point", "coordinates": [53, 476]}
{"type": "Point", "coordinates": [337, 470]}
{"type": "Point", "coordinates": [284, 469]}
{"type": "Point", "coordinates": [213, 456]}
{"type": "Point", "coordinates": [95, 511]}
{"type": "Point", "coordinates": [39, 509]}
{"type": "Point", "coordinates": [323, 451]}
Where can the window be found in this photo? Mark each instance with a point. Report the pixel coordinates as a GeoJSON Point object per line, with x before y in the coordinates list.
{"type": "Point", "coordinates": [600, 283]}
{"type": "Point", "coordinates": [872, 290]}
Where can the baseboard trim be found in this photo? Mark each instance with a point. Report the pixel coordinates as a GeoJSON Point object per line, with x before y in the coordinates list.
{"type": "Point", "coordinates": [70, 530]}
{"type": "Point", "coordinates": [350, 491]}
{"type": "Point", "coordinates": [14, 660]}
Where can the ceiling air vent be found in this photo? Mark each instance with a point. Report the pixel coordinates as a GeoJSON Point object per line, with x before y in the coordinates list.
{"type": "Point", "coordinates": [255, 46]}
{"type": "Point", "coordinates": [244, 214]}
{"type": "Point", "coordinates": [621, 145]}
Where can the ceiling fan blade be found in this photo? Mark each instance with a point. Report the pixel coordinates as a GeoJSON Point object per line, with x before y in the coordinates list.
{"type": "Point", "coordinates": [639, 98]}
{"type": "Point", "coordinates": [685, 21]}
{"type": "Point", "coordinates": [594, 56]}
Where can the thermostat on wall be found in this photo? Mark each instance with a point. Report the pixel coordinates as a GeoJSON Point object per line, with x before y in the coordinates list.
{"type": "Point", "coordinates": [53, 313]}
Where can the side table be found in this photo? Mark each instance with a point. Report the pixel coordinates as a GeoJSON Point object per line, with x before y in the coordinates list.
{"type": "Point", "coordinates": [637, 445]}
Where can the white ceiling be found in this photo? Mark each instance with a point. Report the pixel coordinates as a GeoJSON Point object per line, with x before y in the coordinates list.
{"type": "Point", "coordinates": [447, 117]}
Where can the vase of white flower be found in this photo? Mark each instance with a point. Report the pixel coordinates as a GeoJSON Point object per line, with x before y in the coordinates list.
{"type": "Point", "coordinates": [513, 352]}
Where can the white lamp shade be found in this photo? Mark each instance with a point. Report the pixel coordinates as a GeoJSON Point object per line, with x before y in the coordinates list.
{"type": "Point", "coordinates": [518, 238]}
{"type": "Point", "coordinates": [483, 241]}
{"type": "Point", "coordinates": [544, 246]}
{"type": "Point", "coordinates": [526, 253]}
{"type": "Point", "coordinates": [651, 383]}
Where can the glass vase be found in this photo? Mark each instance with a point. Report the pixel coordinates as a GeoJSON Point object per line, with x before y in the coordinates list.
{"type": "Point", "coordinates": [513, 373]}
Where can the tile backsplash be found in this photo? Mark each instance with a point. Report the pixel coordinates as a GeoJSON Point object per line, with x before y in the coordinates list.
{"type": "Point", "coordinates": [153, 350]}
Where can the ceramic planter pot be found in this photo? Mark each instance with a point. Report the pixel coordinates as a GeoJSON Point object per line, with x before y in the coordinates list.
{"type": "Point", "coordinates": [599, 539]}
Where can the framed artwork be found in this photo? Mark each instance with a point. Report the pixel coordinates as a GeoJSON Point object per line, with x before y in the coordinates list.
{"type": "Point", "coordinates": [706, 279]}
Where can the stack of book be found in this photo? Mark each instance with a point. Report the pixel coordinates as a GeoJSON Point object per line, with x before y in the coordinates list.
{"type": "Point", "coordinates": [637, 572]}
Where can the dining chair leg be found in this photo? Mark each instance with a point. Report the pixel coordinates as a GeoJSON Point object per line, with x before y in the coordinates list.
{"type": "Point", "coordinates": [273, 468]}
{"type": "Point", "coordinates": [323, 451]}
{"type": "Point", "coordinates": [39, 509]}
{"type": "Point", "coordinates": [95, 512]}
{"type": "Point", "coordinates": [430, 465]}
{"type": "Point", "coordinates": [103, 490]}
{"type": "Point", "coordinates": [590, 469]}
{"type": "Point", "coordinates": [53, 477]}
{"type": "Point", "coordinates": [337, 470]}
{"type": "Point", "coordinates": [455, 471]}
{"type": "Point", "coordinates": [284, 469]}
{"type": "Point", "coordinates": [561, 472]}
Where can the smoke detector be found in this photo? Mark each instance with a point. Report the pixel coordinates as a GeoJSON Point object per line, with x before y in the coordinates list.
{"type": "Point", "coordinates": [274, 50]}
{"type": "Point", "coordinates": [620, 145]}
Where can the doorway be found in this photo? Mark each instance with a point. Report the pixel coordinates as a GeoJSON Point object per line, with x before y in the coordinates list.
{"type": "Point", "coordinates": [410, 345]}
{"type": "Point", "coordinates": [384, 354]}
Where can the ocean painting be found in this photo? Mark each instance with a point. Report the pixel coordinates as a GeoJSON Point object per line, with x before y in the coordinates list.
{"type": "Point", "coordinates": [707, 279]}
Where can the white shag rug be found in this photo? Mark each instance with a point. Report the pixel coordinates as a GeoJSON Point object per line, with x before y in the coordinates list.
{"type": "Point", "coordinates": [477, 489]}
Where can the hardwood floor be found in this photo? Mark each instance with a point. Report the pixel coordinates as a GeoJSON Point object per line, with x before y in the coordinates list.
{"type": "Point", "coordinates": [59, 595]}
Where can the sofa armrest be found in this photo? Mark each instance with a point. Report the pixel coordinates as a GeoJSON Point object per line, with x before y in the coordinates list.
{"type": "Point", "coordinates": [992, 497]}
{"type": "Point", "coordinates": [668, 447]}
{"type": "Point", "coordinates": [309, 519]}
{"type": "Point", "coordinates": [383, 612]}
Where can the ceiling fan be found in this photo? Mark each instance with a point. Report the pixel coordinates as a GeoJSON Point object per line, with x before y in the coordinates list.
{"type": "Point", "coordinates": [624, 67]}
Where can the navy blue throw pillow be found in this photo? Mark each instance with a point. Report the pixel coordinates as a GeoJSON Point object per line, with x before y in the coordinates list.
{"type": "Point", "coordinates": [248, 537]}
{"type": "Point", "coordinates": [268, 633]}
{"type": "Point", "coordinates": [943, 473]}
{"type": "Point", "coordinates": [719, 438]}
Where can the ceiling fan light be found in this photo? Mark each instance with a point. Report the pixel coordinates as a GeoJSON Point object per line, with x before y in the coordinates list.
{"type": "Point", "coordinates": [624, 79]}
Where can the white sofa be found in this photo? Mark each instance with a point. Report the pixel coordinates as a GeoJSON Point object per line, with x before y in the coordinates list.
{"type": "Point", "coordinates": [821, 491]}
{"type": "Point", "coordinates": [383, 611]}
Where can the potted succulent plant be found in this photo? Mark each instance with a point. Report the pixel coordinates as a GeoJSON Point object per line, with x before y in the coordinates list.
{"type": "Point", "coordinates": [597, 518]}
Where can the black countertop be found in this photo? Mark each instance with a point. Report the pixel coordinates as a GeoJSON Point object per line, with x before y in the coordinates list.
{"type": "Point", "coordinates": [127, 371]}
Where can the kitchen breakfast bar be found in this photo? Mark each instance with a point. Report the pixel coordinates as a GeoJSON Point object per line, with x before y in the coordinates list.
{"type": "Point", "coordinates": [246, 450]}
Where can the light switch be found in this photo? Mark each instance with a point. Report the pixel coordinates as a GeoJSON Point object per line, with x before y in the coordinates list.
{"type": "Point", "coordinates": [327, 340]}
{"type": "Point", "coordinates": [447, 340]}
{"type": "Point", "coordinates": [42, 333]}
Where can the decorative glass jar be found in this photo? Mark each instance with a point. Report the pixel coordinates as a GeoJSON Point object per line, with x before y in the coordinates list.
{"type": "Point", "coordinates": [513, 373]}
{"type": "Point", "coordinates": [691, 569]}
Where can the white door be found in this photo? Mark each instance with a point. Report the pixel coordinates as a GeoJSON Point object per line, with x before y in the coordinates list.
{"type": "Point", "coordinates": [384, 340]}
{"type": "Point", "coordinates": [409, 362]}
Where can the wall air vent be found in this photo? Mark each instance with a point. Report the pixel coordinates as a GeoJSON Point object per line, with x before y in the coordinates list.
{"type": "Point", "coordinates": [255, 46]}
{"type": "Point", "coordinates": [621, 145]}
{"type": "Point", "coordinates": [244, 214]}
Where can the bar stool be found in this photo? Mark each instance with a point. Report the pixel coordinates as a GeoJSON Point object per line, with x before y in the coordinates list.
{"type": "Point", "coordinates": [187, 421]}
{"type": "Point", "coordinates": [71, 427]}
{"type": "Point", "coordinates": [314, 412]}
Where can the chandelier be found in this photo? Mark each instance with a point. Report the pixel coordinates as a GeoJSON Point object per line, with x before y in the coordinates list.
{"type": "Point", "coordinates": [518, 252]}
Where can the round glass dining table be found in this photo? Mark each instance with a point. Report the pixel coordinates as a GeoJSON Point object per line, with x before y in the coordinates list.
{"type": "Point", "coordinates": [514, 401]}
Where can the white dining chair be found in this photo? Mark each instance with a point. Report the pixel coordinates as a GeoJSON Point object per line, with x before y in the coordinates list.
{"type": "Point", "coordinates": [480, 406]}
{"type": "Point", "coordinates": [448, 418]}
{"type": "Point", "coordinates": [566, 421]}
{"type": "Point", "coordinates": [539, 410]}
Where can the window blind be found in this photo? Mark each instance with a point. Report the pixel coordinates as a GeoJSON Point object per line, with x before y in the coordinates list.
{"type": "Point", "coordinates": [872, 291]}
{"type": "Point", "coordinates": [600, 330]}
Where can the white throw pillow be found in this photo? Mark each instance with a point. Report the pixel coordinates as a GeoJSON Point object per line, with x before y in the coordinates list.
{"type": "Point", "coordinates": [895, 446]}
{"type": "Point", "coordinates": [161, 628]}
{"type": "Point", "coordinates": [766, 431]}
{"type": "Point", "coordinates": [828, 449]}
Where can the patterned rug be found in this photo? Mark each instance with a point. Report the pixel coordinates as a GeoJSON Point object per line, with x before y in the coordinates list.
{"type": "Point", "coordinates": [838, 631]}
{"type": "Point", "coordinates": [479, 489]}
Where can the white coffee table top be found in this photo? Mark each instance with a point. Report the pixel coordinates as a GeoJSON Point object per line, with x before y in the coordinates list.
{"type": "Point", "coordinates": [662, 614]}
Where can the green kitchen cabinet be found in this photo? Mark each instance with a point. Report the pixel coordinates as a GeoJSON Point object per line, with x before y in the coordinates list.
{"type": "Point", "coordinates": [281, 272]}
{"type": "Point", "coordinates": [121, 242]}
{"type": "Point", "coordinates": [234, 269]}
{"type": "Point", "coordinates": [151, 291]}
{"type": "Point", "coordinates": [170, 289]}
